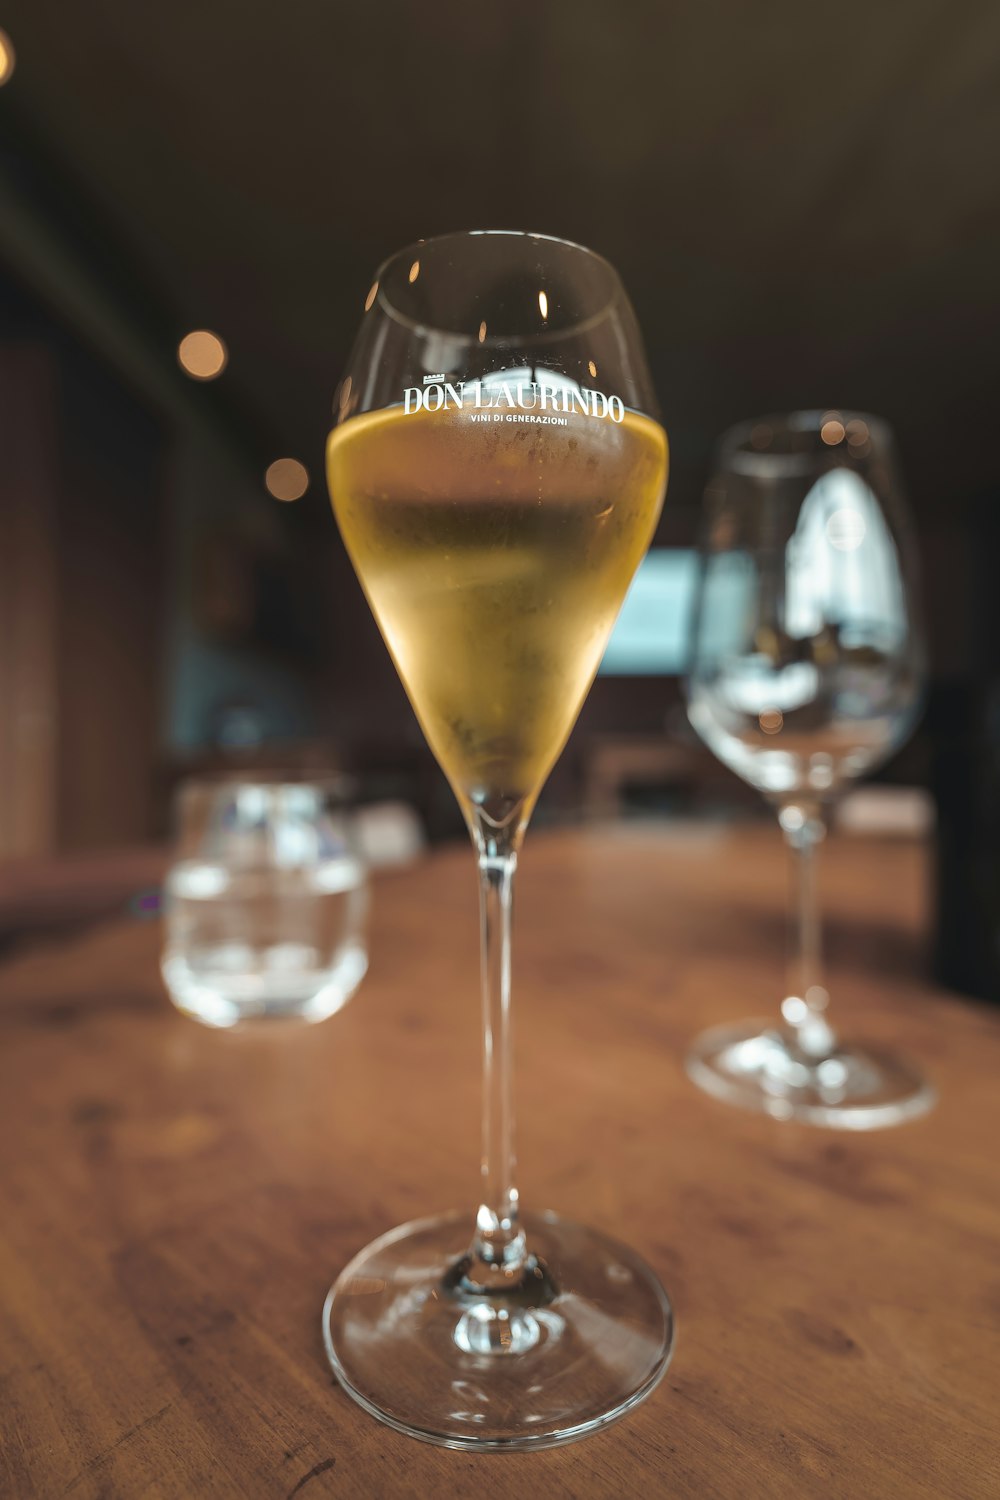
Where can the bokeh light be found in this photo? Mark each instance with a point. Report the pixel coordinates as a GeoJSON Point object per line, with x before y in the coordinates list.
{"type": "Point", "coordinates": [287, 479]}
{"type": "Point", "coordinates": [8, 58]}
{"type": "Point", "coordinates": [202, 354]}
{"type": "Point", "coordinates": [845, 530]}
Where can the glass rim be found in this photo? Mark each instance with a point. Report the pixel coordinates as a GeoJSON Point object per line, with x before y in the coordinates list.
{"type": "Point", "coordinates": [736, 449]}
{"type": "Point", "coordinates": [496, 341]}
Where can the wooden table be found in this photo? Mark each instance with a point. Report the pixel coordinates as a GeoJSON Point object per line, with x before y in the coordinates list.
{"type": "Point", "coordinates": [174, 1201]}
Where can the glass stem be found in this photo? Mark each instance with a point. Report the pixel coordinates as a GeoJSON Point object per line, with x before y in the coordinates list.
{"type": "Point", "coordinates": [499, 1238]}
{"type": "Point", "coordinates": [804, 1007]}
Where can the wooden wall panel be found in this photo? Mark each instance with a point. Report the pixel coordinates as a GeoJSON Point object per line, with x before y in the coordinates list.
{"type": "Point", "coordinates": [29, 712]}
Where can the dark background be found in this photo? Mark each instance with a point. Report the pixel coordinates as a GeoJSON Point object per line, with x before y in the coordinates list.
{"type": "Point", "coordinates": [802, 201]}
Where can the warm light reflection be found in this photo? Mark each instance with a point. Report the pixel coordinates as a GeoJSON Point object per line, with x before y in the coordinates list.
{"type": "Point", "coordinates": [723, 533]}
{"type": "Point", "coordinates": [482, 333]}
{"type": "Point", "coordinates": [771, 720]}
{"type": "Point", "coordinates": [371, 296]}
{"type": "Point", "coordinates": [543, 304]}
{"type": "Point", "coordinates": [343, 396]}
{"type": "Point", "coordinates": [202, 354]}
{"type": "Point", "coordinates": [287, 479]}
{"type": "Point", "coordinates": [8, 57]}
{"type": "Point", "coordinates": [592, 368]}
{"type": "Point", "coordinates": [832, 432]}
{"type": "Point", "coordinates": [414, 271]}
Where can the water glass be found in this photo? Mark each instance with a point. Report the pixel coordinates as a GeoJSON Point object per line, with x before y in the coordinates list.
{"type": "Point", "coordinates": [265, 904]}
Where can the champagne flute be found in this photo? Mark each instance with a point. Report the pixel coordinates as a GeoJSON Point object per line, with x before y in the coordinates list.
{"type": "Point", "coordinates": [806, 672]}
{"type": "Point", "coordinates": [497, 471]}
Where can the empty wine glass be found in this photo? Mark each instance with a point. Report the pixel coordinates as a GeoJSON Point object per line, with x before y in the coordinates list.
{"type": "Point", "coordinates": [806, 672]}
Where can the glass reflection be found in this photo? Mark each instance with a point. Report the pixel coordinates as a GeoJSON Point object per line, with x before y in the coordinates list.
{"type": "Point", "coordinates": [807, 669]}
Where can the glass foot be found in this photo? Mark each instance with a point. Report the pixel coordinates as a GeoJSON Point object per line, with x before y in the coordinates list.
{"type": "Point", "coordinates": [853, 1089]}
{"type": "Point", "coordinates": [585, 1335]}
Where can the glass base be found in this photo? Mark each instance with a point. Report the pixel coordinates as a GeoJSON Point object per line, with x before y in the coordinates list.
{"type": "Point", "coordinates": [254, 992]}
{"type": "Point", "coordinates": [585, 1335]}
{"type": "Point", "coordinates": [852, 1089]}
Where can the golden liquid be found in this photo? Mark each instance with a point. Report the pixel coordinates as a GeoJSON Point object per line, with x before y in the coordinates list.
{"type": "Point", "coordinates": [495, 557]}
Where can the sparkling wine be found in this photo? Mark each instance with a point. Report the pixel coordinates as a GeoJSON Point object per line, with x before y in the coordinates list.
{"type": "Point", "coordinates": [495, 559]}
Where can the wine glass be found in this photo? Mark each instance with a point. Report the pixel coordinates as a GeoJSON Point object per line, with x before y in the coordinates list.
{"type": "Point", "coordinates": [806, 672]}
{"type": "Point", "coordinates": [497, 471]}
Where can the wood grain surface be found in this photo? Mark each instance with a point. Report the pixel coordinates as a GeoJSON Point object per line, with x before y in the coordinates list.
{"type": "Point", "coordinates": [175, 1201]}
